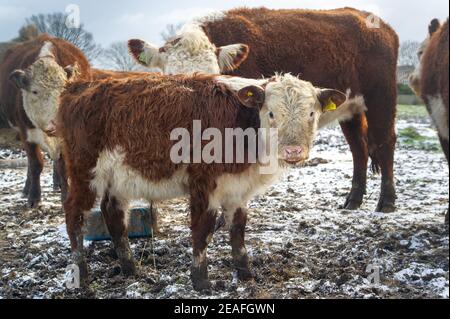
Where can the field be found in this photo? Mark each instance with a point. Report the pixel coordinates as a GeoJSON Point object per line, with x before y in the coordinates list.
{"type": "Point", "coordinates": [301, 244]}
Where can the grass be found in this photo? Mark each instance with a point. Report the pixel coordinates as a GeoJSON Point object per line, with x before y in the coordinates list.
{"type": "Point", "coordinates": [405, 112]}
{"type": "Point", "coordinates": [411, 138]}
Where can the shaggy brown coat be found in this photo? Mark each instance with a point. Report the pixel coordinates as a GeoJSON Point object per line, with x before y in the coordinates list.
{"type": "Point", "coordinates": [137, 115]}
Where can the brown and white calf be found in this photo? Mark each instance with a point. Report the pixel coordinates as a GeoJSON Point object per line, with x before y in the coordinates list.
{"type": "Point", "coordinates": [31, 73]}
{"type": "Point", "coordinates": [117, 142]}
{"type": "Point", "coordinates": [430, 79]}
{"type": "Point", "coordinates": [345, 49]}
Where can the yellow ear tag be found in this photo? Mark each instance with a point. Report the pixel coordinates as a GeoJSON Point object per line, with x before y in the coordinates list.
{"type": "Point", "coordinates": [331, 106]}
{"type": "Point", "coordinates": [249, 93]}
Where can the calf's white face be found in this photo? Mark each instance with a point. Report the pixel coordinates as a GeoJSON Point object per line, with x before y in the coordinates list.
{"type": "Point", "coordinates": [189, 52]}
{"type": "Point", "coordinates": [42, 84]}
{"type": "Point", "coordinates": [291, 106]}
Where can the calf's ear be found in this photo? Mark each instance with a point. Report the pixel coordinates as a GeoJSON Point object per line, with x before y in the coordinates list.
{"type": "Point", "coordinates": [144, 53]}
{"type": "Point", "coordinates": [230, 57]}
{"type": "Point", "coordinates": [434, 26]}
{"type": "Point", "coordinates": [252, 96]}
{"type": "Point", "coordinates": [20, 79]}
{"type": "Point", "coordinates": [331, 99]}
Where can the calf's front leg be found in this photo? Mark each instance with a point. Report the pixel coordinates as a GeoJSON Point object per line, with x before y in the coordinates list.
{"type": "Point", "coordinates": [116, 221]}
{"type": "Point", "coordinates": [203, 223]}
{"type": "Point", "coordinates": [238, 250]}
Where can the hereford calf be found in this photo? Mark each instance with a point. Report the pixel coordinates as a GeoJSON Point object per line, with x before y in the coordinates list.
{"type": "Point", "coordinates": [430, 79]}
{"type": "Point", "coordinates": [45, 64]}
{"type": "Point", "coordinates": [118, 142]}
{"type": "Point", "coordinates": [346, 49]}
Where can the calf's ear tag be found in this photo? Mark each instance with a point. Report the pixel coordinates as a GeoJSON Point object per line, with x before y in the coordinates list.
{"type": "Point", "coordinates": [249, 93]}
{"type": "Point", "coordinates": [330, 106]}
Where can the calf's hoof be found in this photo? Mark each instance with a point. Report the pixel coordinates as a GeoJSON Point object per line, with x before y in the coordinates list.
{"type": "Point", "coordinates": [202, 285]}
{"type": "Point", "coordinates": [128, 268]}
{"type": "Point", "coordinates": [245, 274]}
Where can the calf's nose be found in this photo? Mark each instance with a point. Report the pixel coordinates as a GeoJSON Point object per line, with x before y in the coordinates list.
{"type": "Point", "coordinates": [293, 153]}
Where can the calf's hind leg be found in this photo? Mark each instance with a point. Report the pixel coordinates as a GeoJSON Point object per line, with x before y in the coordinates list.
{"type": "Point", "coordinates": [116, 221]}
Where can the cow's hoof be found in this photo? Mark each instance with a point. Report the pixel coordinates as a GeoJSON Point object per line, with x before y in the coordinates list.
{"type": "Point", "coordinates": [386, 208]}
{"type": "Point", "coordinates": [203, 286]}
{"type": "Point", "coordinates": [33, 203]}
{"type": "Point", "coordinates": [245, 274]}
{"type": "Point", "coordinates": [351, 205]}
{"type": "Point", "coordinates": [128, 268]}
{"type": "Point", "coordinates": [354, 200]}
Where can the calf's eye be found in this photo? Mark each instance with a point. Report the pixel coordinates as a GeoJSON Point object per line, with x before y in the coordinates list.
{"type": "Point", "coordinates": [34, 92]}
{"type": "Point", "coordinates": [312, 114]}
{"type": "Point", "coordinates": [271, 115]}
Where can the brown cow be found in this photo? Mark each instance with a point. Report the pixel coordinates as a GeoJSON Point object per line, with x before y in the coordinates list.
{"type": "Point", "coordinates": [49, 62]}
{"type": "Point", "coordinates": [344, 49]}
{"type": "Point", "coordinates": [118, 142]}
{"type": "Point", "coordinates": [430, 79]}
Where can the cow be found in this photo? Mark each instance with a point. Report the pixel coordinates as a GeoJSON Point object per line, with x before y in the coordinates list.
{"type": "Point", "coordinates": [25, 33]}
{"type": "Point", "coordinates": [345, 49]}
{"type": "Point", "coordinates": [430, 79]}
{"type": "Point", "coordinates": [49, 62]}
{"type": "Point", "coordinates": [118, 142]}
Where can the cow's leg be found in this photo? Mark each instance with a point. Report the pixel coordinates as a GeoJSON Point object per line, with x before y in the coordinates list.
{"type": "Point", "coordinates": [62, 177]}
{"type": "Point", "coordinates": [355, 132]}
{"type": "Point", "coordinates": [79, 202]}
{"type": "Point", "coordinates": [117, 223]}
{"type": "Point", "coordinates": [445, 147]}
{"type": "Point", "coordinates": [56, 176]}
{"type": "Point", "coordinates": [203, 223]}
{"type": "Point", "coordinates": [382, 139]}
{"type": "Point", "coordinates": [238, 250]}
{"type": "Point", "coordinates": [35, 166]}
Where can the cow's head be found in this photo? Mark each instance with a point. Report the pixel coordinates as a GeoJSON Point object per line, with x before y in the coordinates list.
{"type": "Point", "coordinates": [414, 78]}
{"type": "Point", "coordinates": [42, 84]}
{"type": "Point", "coordinates": [189, 52]}
{"type": "Point", "coordinates": [290, 105]}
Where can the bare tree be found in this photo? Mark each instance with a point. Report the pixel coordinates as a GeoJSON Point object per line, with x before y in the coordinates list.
{"type": "Point", "coordinates": [408, 53]}
{"type": "Point", "coordinates": [171, 31]}
{"type": "Point", "coordinates": [118, 58]}
{"type": "Point", "coordinates": [55, 25]}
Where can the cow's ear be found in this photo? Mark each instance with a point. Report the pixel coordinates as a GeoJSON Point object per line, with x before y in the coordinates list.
{"type": "Point", "coordinates": [20, 79]}
{"type": "Point", "coordinates": [144, 53]}
{"type": "Point", "coordinates": [252, 96]}
{"type": "Point", "coordinates": [330, 99]}
{"type": "Point", "coordinates": [230, 57]}
{"type": "Point", "coordinates": [434, 26]}
{"type": "Point", "coordinates": [72, 71]}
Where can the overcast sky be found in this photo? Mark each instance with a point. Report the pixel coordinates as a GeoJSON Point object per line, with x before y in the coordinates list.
{"type": "Point", "coordinates": [111, 21]}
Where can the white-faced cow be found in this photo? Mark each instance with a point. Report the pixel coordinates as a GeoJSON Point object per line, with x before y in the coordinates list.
{"type": "Point", "coordinates": [346, 49]}
{"type": "Point", "coordinates": [117, 142]}
{"type": "Point", "coordinates": [32, 73]}
{"type": "Point", "coordinates": [430, 79]}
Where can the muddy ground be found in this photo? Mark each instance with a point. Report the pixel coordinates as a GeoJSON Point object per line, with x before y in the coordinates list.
{"type": "Point", "coordinates": [301, 244]}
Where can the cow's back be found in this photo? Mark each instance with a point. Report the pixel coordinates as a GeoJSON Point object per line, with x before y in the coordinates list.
{"type": "Point", "coordinates": [137, 116]}
{"type": "Point", "coordinates": [330, 48]}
